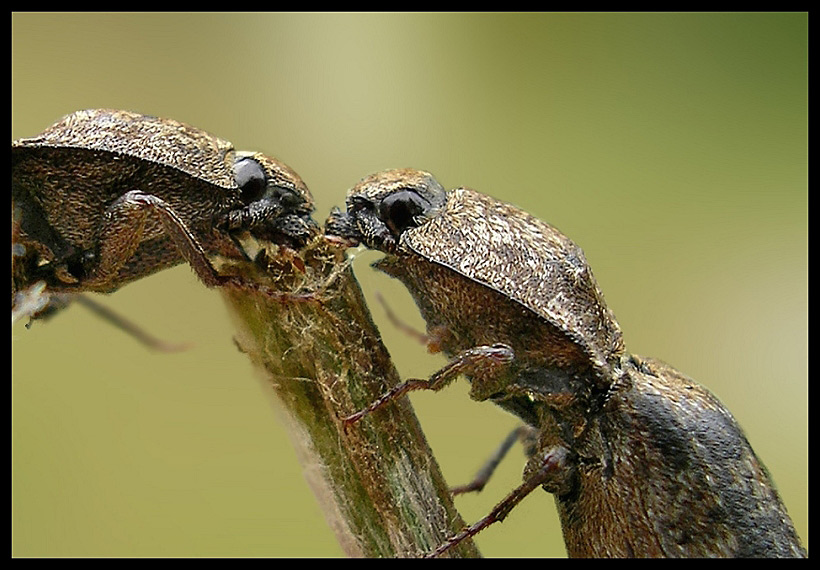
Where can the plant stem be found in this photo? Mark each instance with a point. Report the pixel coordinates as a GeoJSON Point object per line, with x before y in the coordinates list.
{"type": "Point", "coordinates": [376, 480]}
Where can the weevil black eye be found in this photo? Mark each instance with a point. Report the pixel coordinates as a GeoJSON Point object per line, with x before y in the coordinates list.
{"type": "Point", "coordinates": [399, 210]}
{"type": "Point", "coordinates": [250, 177]}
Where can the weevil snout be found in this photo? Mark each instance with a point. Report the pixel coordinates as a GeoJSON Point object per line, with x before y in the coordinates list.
{"type": "Point", "coordinates": [277, 204]}
{"type": "Point", "coordinates": [340, 228]}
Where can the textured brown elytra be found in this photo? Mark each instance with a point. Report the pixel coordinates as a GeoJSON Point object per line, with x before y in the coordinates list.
{"type": "Point", "coordinates": [642, 461]}
{"type": "Point", "coordinates": [104, 197]}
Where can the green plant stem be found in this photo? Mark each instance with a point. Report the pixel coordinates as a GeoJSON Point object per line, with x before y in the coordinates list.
{"type": "Point", "coordinates": [377, 481]}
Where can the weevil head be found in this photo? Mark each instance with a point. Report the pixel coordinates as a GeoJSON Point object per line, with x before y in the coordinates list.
{"type": "Point", "coordinates": [275, 204]}
{"type": "Point", "coordinates": [382, 206]}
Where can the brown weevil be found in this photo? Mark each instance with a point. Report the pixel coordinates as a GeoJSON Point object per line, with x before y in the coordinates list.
{"type": "Point", "coordinates": [641, 460]}
{"type": "Point", "coordinates": [104, 197]}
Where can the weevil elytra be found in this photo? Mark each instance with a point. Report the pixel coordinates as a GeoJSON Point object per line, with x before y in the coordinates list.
{"type": "Point", "coordinates": [641, 460]}
{"type": "Point", "coordinates": [104, 197]}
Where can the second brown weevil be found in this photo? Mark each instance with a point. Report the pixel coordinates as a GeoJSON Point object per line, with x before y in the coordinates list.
{"type": "Point", "coordinates": [104, 197]}
{"type": "Point", "coordinates": [641, 460]}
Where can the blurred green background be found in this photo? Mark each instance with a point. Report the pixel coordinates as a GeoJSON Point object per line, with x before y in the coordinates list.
{"type": "Point", "coordinates": [671, 147]}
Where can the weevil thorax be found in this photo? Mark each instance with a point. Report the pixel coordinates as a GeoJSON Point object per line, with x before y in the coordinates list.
{"type": "Point", "coordinates": [526, 260]}
{"type": "Point", "coordinates": [496, 245]}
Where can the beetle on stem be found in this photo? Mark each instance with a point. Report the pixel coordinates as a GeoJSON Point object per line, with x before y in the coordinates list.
{"type": "Point", "coordinates": [641, 460]}
{"type": "Point", "coordinates": [104, 197]}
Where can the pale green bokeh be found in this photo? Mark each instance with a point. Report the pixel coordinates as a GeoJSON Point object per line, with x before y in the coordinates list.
{"type": "Point", "coordinates": [671, 147]}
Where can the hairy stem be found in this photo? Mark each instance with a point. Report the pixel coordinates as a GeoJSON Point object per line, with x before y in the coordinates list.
{"type": "Point", "coordinates": [376, 480]}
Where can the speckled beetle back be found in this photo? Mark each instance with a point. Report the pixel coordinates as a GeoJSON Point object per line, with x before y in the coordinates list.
{"type": "Point", "coordinates": [492, 243]}
{"type": "Point", "coordinates": [525, 259]}
{"type": "Point", "coordinates": [160, 141]}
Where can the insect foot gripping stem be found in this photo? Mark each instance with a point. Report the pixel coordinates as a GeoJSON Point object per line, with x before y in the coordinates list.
{"type": "Point", "coordinates": [490, 360]}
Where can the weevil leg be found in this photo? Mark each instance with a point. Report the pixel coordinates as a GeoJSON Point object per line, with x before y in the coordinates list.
{"type": "Point", "coordinates": [185, 241]}
{"type": "Point", "coordinates": [399, 324]}
{"type": "Point", "coordinates": [128, 327]}
{"type": "Point", "coordinates": [119, 238]}
{"type": "Point", "coordinates": [37, 302]}
{"type": "Point", "coordinates": [432, 341]}
{"type": "Point", "coordinates": [551, 462]}
{"type": "Point", "coordinates": [526, 434]}
{"type": "Point", "coordinates": [122, 233]}
{"type": "Point", "coordinates": [482, 358]}
{"type": "Point", "coordinates": [193, 252]}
